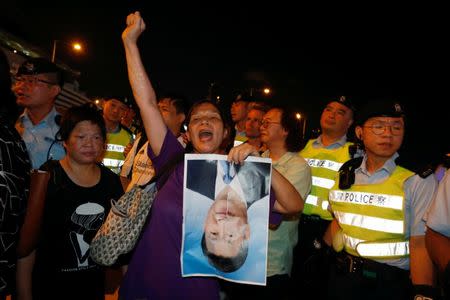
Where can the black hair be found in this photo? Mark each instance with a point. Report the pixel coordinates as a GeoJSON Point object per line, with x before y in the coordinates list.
{"type": "Point", "coordinates": [261, 106]}
{"type": "Point", "coordinates": [226, 264]}
{"type": "Point", "coordinates": [180, 103]}
{"type": "Point", "coordinates": [291, 124]}
{"type": "Point", "coordinates": [77, 114]}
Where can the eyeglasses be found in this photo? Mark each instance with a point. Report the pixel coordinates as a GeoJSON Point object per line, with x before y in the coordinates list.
{"type": "Point", "coordinates": [266, 123]}
{"type": "Point", "coordinates": [31, 80]}
{"type": "Point", "coordinates": [379, 129]}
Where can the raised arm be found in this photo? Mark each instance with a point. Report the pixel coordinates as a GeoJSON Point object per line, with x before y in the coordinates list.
{"type": "Point", "coordinates": [288, 200]}
{"type": "Point", "coordinates": [143, 91]}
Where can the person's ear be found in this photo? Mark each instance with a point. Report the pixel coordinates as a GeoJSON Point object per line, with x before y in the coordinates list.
{"type": "Point", "coordinates": [285, 132]}
{"type": "Point", "coordinates": [247, 232]}
{"type": "Point", "coordinates": [225, 133]}
{"type": "Point", "coordinates": [55, 90]}
{"type": "Point", "coordinates": [181, 118]}
{"type": "Point", "coordinates": [358, 132]}
{"type": "Point", "coordinates": [188, 135]}
{"type": "Point", "coordinates": [350, 122]}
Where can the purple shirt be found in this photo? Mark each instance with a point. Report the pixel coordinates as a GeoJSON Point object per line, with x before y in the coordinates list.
{"type": "Point", "coordinates": [155, 268]}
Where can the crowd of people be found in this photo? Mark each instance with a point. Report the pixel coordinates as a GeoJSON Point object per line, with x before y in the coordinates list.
{"type": "Point", "coordinates": [346, 220]}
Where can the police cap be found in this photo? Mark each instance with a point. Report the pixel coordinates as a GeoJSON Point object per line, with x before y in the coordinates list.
{"type": "Point", "coordinates": [124, 100]}
{"type": "Point", "coordinates": [39, 65]}
{"type": "Point", "coordinates": [344, 100]}
{"type": "Point", "coordinates": [380, 108]}
{"type": "Point", "coordinates": [245, 97]}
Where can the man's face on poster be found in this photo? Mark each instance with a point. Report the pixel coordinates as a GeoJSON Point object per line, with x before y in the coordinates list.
{"type": "Point", "coordinates": [226, 225]}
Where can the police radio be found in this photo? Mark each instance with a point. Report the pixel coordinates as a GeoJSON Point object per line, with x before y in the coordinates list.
{"type": "Point", "coordinates": [347, 173]}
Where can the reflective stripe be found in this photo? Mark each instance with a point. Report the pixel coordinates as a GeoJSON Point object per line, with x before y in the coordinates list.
{"type": "Point", "coordinates": [237, 143]}
{"type": "Point", "coordinates": [380, 200]}
{"type": "Point", "coordinates": [351, 242]}
{"type": "Point", "coordinates": [383, 249]}
{"type": "Point", "coordinates": [324, 163]}
{"type": "Point", "coordinates": [369, 249]}
{"type": "Point", "coordinates": [109, 162]}
{"type": "Point", "coordinates": [115, 148]}
{"type": "Point", "coordinates": [322, 182]}
{"type": "Point", "coordinates": [312, 200]}
{"type": "Point", "coordinates": [373, 223]}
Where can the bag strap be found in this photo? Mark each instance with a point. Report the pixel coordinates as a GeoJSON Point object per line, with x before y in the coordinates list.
{"type": "Point", "coordinates": [166, 170]}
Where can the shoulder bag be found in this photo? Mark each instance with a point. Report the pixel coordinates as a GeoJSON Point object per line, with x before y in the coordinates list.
{"type": "Point", "coordinates": [125, 221]}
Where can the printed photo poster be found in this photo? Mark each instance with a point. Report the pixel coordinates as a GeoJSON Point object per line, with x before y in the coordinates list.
{"type": "Point", "coordinates": [226, 218]}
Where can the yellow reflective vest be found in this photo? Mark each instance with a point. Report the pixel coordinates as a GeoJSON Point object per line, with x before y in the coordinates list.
{"type": "Point", "coordinates": [325, 164]}
{"type": "Point", "coordinates": [372, 217]}
{"type": "Point", "coordinates": [115, 145]}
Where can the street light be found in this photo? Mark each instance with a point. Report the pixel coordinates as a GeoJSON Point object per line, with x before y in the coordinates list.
{"type": "Point", "coordinates": [266, 91]}
{"type": "Point", "coordinates": [76, 46]}
{"type": "Point", "coordinates": [299, 117]}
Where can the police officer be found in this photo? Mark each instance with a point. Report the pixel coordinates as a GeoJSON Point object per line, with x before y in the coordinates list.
{"type": "Point", "coordinates": [118, 137]}
{"type": "Point", "coordinates": [36, 85]}
{"type": "Point", "coordinates": [239, 110]}
{"type": "Point", "coordinates": [325, 155]}
{"type": "Point", "coordinates": [438, 232]}
{"type": "Point", "coordinates": [378, 208]}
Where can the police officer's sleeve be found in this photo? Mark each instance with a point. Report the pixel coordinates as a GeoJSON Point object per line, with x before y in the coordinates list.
{"type": "Point", "coordinates": [419, 193]}
{"type": "Point", "coordinates": [438, 216]}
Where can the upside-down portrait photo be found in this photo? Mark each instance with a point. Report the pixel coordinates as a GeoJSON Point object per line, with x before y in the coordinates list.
{"type": "Point", "coordinates": [226, 218]}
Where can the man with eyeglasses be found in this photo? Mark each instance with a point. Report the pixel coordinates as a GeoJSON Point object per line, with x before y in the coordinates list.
{"type": "Point", "coordinates": [378, 208]}
{"type": "Point", "coordinates": [36, 86]}
{"type": "Point", "coordinates": [325, 155]}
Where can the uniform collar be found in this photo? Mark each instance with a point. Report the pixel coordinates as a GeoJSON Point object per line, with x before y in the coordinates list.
{"type": "Point", "coordinates": [389, 166]}
{"type": "Point", "coordinates": [340, 142]}
{"type": "Point", "coordinates": [49, 118]}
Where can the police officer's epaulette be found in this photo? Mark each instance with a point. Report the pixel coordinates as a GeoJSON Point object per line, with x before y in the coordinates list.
{"type": "Point", "coordinates": [426, 171]}
{"type": "Point", "coordinates": [347, 173]}
{"type": "Point", "coordinates": [422, 170]}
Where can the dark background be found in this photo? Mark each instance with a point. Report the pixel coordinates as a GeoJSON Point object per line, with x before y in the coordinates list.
{"type": "Point", "coordinates": [305, 54]}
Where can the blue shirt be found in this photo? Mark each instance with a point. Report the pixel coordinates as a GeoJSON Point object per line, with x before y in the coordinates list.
{"type": "Point", "coordinates": [438, 216]}
{"type": "Point", "coordinates": [418, 194]}
{"type": "Point", "coordinates": [40, 138]}
{"type": "Point", "coordinates": [336, 145]}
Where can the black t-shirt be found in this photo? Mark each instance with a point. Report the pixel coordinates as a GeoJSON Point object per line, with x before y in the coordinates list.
{"type": "Point", "coordinates": [72, 216]}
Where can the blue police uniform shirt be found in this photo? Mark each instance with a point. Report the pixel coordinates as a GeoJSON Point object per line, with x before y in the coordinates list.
{"type": "Point", "coordinates": [438, 215]}
{"type": "Point", "coordinates": [317, 143]}
{"type": "Point", "coordinates": [418, 195]}
{"type": "Point", "coordinates": [40, 138]}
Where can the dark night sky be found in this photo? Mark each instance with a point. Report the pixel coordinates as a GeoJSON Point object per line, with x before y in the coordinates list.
{"type": "Point", "coordinates": [305, 53]}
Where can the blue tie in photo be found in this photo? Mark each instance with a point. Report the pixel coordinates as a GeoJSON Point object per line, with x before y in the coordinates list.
{"type": "Point", "coordinates": [226, 170]}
